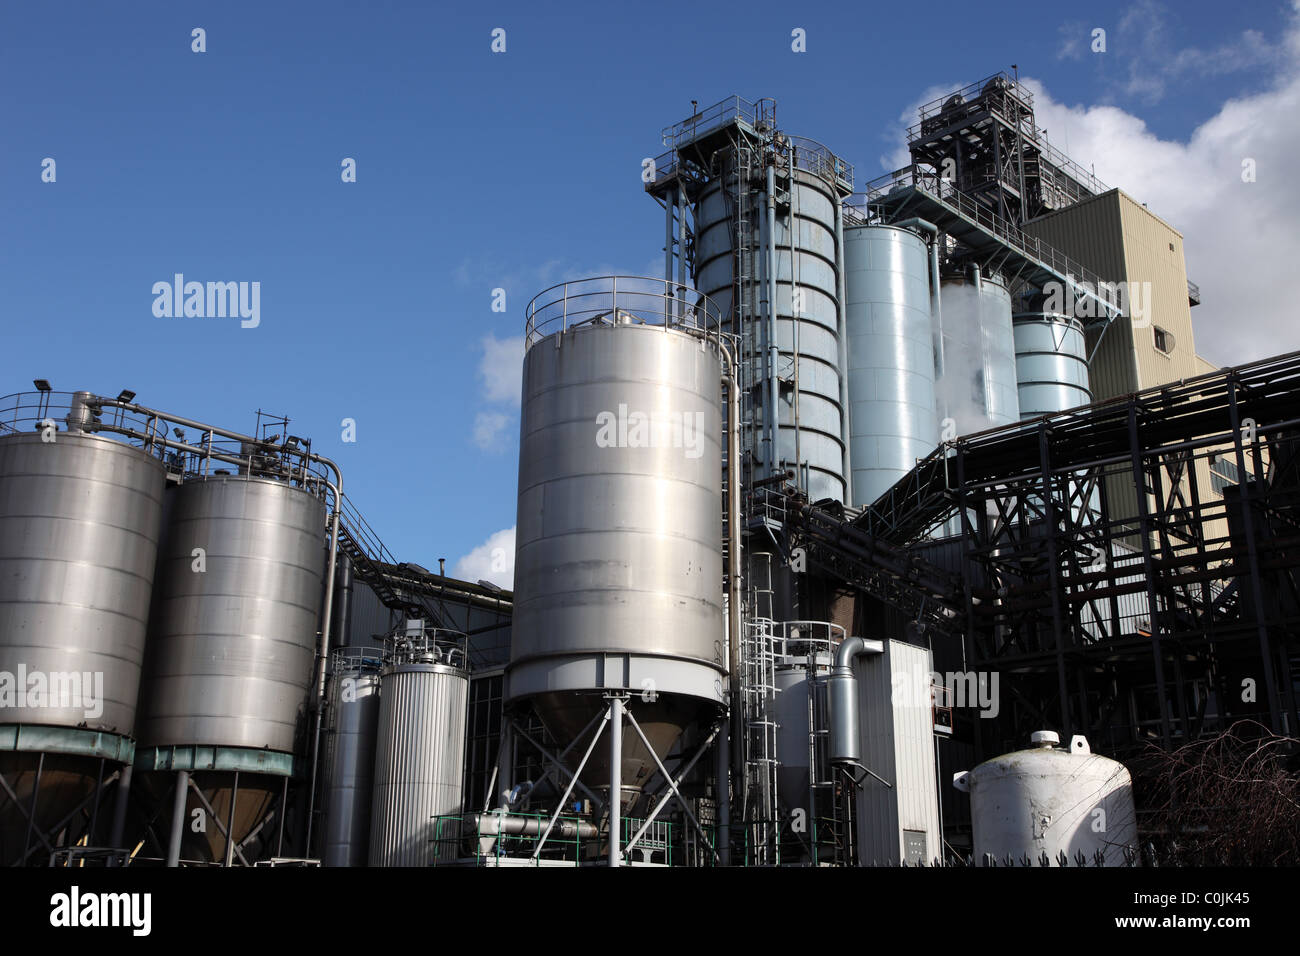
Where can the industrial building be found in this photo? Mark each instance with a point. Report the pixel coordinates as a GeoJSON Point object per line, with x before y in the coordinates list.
{"type": "Point", "coordinates": [827, 538]}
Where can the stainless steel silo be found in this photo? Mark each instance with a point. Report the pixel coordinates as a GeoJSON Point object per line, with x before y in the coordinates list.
{"type": "Point", "coordinates": [891, 356]}
{"type": "Point", "coordinates": [419, 756]}
{"type": "Point", "coordinates": [1051, 363]}
{"type": "Point", "coordinates": [354, 696]}
{"type": "Point", "coordinates": [618, 548]}
{"type": "Point", "coordinates": [806, 255]}
{"type": "Point", "coordinates": [975, 384]}
{"type": "Point", "coordinates": [233, 638]}
{"type": "Point", "coordinates": [80, 516]}
{"type": "Point", "coordinates": [79, 525]}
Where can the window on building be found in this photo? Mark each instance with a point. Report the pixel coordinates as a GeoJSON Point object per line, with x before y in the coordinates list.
{"type": "Point", "coordinates": [1224, 473]}
{"type": "Point", "coordinates": [1164, 340]}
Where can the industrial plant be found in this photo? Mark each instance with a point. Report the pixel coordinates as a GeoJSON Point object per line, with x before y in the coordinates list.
{"type": "Point", "coordinates": [896, 523]}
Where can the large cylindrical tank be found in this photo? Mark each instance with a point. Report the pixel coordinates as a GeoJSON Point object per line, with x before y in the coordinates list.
{"type": "Point", "coordinates": [976, 385]}
{"type": "Point", "coordinates": [618, 547]}
{"type": "Point", "coordinates": [891, 356]}
{"type": "Point", "coordinates": [79, 524]}
{"type": "Point", "coordinates": [232, 645]}
{"type": "Point", "coordinates": [1051, 363]}
{"type": "Point", "coordinates": [80, 518]}
{"type": "Point", "coordinates": [419, 762]}
{"type": "Point", "coordinates": [809, 413]}
{"type": "Point", "coordinates": [1051, 800]}
{"type": "Point", "coordinates": [350, 758]}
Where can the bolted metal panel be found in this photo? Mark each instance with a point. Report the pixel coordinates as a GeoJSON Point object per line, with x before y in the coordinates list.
{"type": "Point", "coordinates": [232, 646]}
{"type": "Point", "coordinates": [1051, 363]}
{"type": "Point", "coordinates": [354, 703]}
{"type": "Point", "coordinates": [79, 523]}
{"type": "Point", "coordinates": [419, 762]}
{"type": "Point", "coordinates": [891, 356]}
{"type": "Point", "coordinates": [977, 388]}
{"type": "Point", "coordinates": [808, 343]}
{"type": "Point", "coordinates": [618, 566]}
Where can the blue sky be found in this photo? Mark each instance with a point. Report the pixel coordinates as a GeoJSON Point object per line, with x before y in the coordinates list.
{"type": "Point", "coordinates": [475, 170]}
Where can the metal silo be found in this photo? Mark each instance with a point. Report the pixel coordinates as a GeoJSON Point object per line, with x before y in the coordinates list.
{"type": "Point", "coordinates": [232, 647]}
{"type": "Point", "coordinates": [350, 762]}
{"type": "Point", "coordinates": [802, 271]}
{"type": "Point", "coordinates": [618, 565]}
{"type": "Point", "coordinates": [891, 356]}
{"type": "Point", "coordinates": [80, 515]}
{"type": "Point", "coordinates": [1051, 800]}
{"type": "Point", "coordinates": [1051, 363]}
{"type": "Point", "coordinates": [975, 383]}
{"type": "Point", "coordinates": [420, 751]}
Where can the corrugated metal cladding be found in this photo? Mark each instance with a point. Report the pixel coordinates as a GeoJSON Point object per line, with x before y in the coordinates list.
{"type": "Point", "coordinates": [898, 824]}
{"type": "Point", "coordinates": [419, 761]}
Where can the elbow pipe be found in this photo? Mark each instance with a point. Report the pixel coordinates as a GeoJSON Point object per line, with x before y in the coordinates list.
{"type": "Point", "coordinates": [842, 700]}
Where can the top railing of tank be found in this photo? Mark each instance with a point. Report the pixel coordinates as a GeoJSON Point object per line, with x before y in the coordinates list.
{"type": "Point", "coordinates": [811, 639]}
{"type": "Point", "coordinates": [760, 115]}
{"type": "Point", "coordinates": [280, 457]}
{"type": "Point", "coordinates": [623, 300]}
{"type": "Point", "coordinates": [811, 156]}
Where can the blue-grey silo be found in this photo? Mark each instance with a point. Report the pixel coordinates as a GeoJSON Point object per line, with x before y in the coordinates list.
{"type": "Point", "coordinates": [808, 320]}
{"type": "Point", "coordinates": [975, 383]}
{"type": "Point", "coordinates": [891, 356]}
{"type": "Point", "coordinates": [1051, 362]}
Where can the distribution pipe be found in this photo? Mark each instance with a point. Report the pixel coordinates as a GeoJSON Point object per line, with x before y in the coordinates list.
{"type": "Point", "coordinates": [732, 375]}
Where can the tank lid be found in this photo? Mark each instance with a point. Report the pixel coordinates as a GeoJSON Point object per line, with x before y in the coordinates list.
{"type": "Point", "coordinates": [1045, 738]}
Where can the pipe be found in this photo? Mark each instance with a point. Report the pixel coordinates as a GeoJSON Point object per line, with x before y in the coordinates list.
{"type": "Point", "coordinates": [772, 347]}
{"type": "Point", "coordinates": [178, 818]}
{"type": "Point", "coordinates": [680, 298]}
{"type": "Point", "coordinates": [121, 800]}
{"type": "Point", "coordinates": [842, 701]}
{"type": "Point", "coordinates": [615, 776]}
{"type": "Point", "coordinates": [494, 824]}
{"type": "Point", "coordinates": [926, 226]}
{"type": "Point", "coordinates": [841, 292]}
{"type": "Point", "coordinates": [734, 599]}
{"type": "Point", "coordinates": [669, 206]}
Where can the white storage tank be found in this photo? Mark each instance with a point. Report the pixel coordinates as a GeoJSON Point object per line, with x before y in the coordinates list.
{"type": "Point", "coordinates": [1051, 800]}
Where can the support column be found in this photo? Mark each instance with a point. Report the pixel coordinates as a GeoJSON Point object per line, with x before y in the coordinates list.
{"type": "Point", "coordinates": [120, 804]}
{"type": "Point", "coordinates": [615, 776]}
{"type": "Point", "coordinates": [178, 818]}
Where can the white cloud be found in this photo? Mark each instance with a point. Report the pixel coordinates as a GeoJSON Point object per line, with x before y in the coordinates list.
{"type": "Point", "coordinates": [488, 430]}
{"type": "Point", "coordinates": [1240, 239]}
{"type": "Point", "coordinates": [493, 560]}
{"type": "Point", "coordinates": [501, 368]}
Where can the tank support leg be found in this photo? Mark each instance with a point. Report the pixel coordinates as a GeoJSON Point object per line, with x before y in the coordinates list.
{"type": "Point", "coordinates": [615, 776]}
{"type": "Point", "coordinates": [178, 818]}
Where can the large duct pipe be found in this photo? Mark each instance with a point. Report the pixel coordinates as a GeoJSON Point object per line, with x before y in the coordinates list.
{"type": "Point", "coordinates": [731, 370]}
{"type": "Point", "coordinates": [842, 700]}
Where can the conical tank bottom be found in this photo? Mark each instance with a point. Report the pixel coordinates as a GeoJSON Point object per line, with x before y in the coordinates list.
{"type": "Point", "coordinates": [258, 793]}
{"type": "Point", "coordinates": [565, 715]}
{"type": "Point", "coordinates": [65, 781]}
